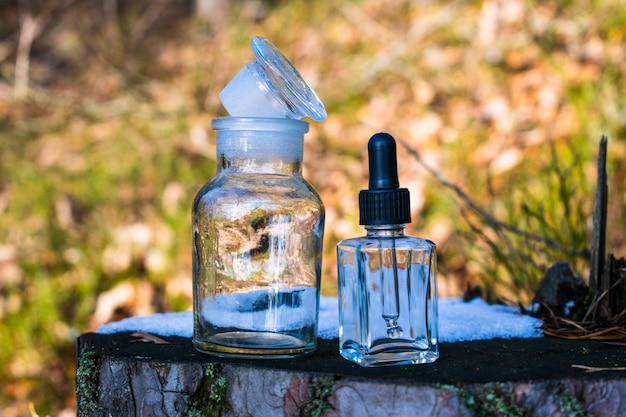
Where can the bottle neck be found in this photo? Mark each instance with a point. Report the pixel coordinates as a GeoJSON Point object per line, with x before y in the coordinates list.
{"type": "Point", "coordinates": [260, 145]}
{"type": "Point", "coordinates": [385, 230]}
{"type": "Point", "coordinates": [252, 165]}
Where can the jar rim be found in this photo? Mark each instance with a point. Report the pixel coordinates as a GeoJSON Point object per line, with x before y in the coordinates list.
{"type": "Point", "coordinates": [260, 124]}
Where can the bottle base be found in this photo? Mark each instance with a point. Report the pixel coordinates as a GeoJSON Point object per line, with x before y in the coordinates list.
{"type": "Point", "coordinates": [255, 345]}
{"type": "Point", "coordinates": [389, 358]}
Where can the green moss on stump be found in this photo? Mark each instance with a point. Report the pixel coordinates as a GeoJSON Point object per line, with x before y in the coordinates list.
{"type": "Point", "coordinates": [498, 399]}
{"type": "Point", "coordinates": [570, 406]}
{"type": "Point", "coordinates": [495, 400]}
{"type": "Point", "coordinates": [208, 400]}
{"type": "Point", "coordinates": [87, 379]}
{"type": "Point", "coordinates": [321, 390]}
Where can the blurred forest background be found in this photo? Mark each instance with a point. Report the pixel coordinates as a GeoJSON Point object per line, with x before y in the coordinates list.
{"type": "Point", "coordinates": [105, 137]}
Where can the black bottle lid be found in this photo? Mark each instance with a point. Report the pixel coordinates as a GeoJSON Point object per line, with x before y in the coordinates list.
{"type": "Point", "coordinates": [384, 202]}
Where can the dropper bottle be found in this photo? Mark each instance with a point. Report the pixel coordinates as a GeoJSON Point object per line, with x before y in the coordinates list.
{"type": "Point", "coordinates": [387, 280]}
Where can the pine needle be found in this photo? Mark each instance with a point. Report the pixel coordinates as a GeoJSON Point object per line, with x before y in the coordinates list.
{"type": "Point", "coordinates": [144, 337]}
{"type": "Point", "coordinates": [591, 369]}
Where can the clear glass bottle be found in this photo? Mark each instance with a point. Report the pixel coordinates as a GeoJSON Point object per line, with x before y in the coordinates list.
{"type": "Point", "coordinates": [387, 281]}
{"type": "Point", "coordinates": [257, 244]}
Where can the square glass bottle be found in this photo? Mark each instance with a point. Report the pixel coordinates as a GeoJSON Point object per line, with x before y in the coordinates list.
{"type": "Point", "coordinates": [387, 281]}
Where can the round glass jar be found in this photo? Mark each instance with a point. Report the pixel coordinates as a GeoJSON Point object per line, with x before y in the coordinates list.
{"type": "Point", "coordinates": [257, 244]}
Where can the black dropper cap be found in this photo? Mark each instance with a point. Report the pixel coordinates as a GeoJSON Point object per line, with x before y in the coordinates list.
{"type": "Point", "coordinates": [385, 202]}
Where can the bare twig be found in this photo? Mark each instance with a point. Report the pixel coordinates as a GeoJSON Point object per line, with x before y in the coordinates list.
{"type": "Point", "coordinates": [592, 307]}
{"type": "Point", "coordinates": [144, 22]}
{"type": "Point", "coordinates": [30, 28]}
{"type": "Point", "coordinates": [487, 218]}
{"type": "Point", "coordinates": [590, 369]}
{"type": "Point", "coordinates": [390, 58]}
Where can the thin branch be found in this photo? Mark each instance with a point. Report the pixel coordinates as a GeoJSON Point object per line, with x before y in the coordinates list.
{"type": "Point", "coordinates": [390, 58]}
{"type": "Point", "coordinates": [487, 218]}
{"type": "Point", "coordinates": [30, 28]}
{"type": "Point", "coordinates": [592, 307]}
{"type": "Point", "coordinates": [144, 22]}
{"type": "Point", "coordinates": [590, 369]}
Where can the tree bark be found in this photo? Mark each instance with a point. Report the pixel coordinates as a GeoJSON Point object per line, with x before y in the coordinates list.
{"type": "Point", "coordinates": [598, 237]}
{"type": "Point", "coordinates": [499, 377]}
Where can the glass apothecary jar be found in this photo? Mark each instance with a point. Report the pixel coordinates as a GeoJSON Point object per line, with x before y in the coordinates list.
{"type": "Point", "coordinates": [257, 244]}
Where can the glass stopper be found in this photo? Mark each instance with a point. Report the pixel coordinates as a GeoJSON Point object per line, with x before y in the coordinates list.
{"type": "Point", "coordinates": [271, 87]}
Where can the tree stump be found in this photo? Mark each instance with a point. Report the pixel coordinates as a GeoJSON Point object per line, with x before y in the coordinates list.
{"type": "Point", "coordinates": [530, 377]}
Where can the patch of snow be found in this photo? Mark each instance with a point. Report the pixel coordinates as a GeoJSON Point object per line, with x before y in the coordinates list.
{"type": "Point", "coordinates": [162, 324]}
{"type": "Point", "coordinates": [458, 321]}
{"type": "Point", "coordinates": [263, 310]}
{"type": "Point", "coordinates": [478, 320]}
